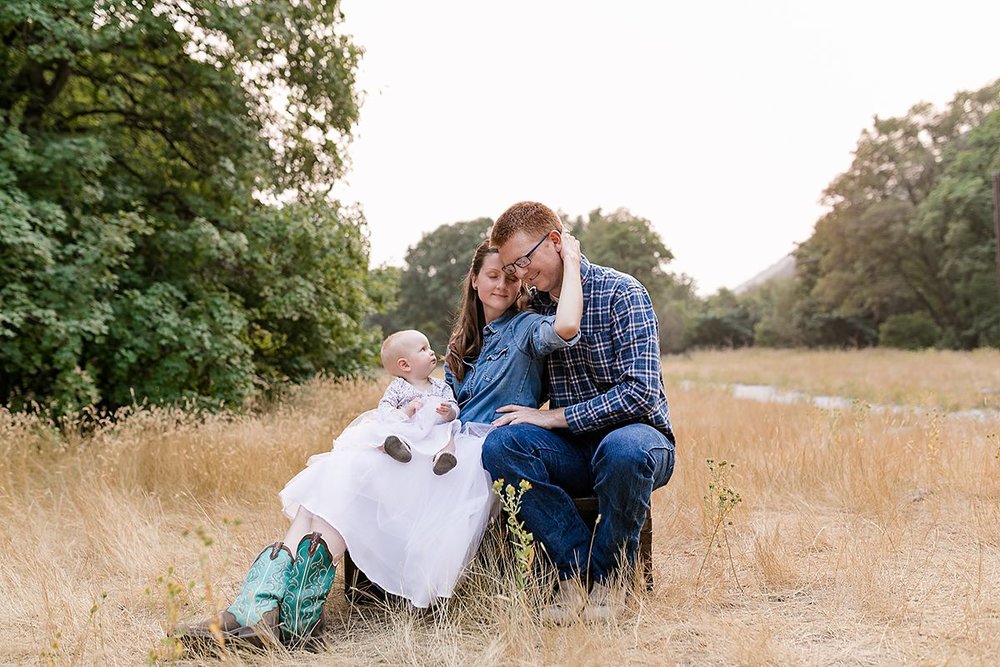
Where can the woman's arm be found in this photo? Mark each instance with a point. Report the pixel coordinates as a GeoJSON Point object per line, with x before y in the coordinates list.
{"type": "Point", "coordinates": [570, 308]}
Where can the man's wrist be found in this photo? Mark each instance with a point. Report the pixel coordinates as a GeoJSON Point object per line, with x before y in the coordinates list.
{"type": "Point", "coordinates": [569, 415]}
{"type": "Point", "coordinates": [557, 418]}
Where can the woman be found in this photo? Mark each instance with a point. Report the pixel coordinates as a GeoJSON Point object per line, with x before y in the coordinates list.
{"type": "Point", "coordinates": [410, 531]}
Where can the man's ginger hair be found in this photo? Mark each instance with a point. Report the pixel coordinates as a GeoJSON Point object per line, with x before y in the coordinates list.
{"type": "Point", "coordinates": [390, 350]}
{"type": "Point", "coordinates": [530, 217]}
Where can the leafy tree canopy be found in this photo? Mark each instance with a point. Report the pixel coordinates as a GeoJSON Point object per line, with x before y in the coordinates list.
{"type": "Point", "coordinates": [430, 284]}
{"type": "Point", "coordinates": [625, 242]}
{"type": "Point", "coordinates": [138, 141]}
{"type": "Point", "coordinates": [630, 244]}
{"type": "Point", "coordinates": [908, 230]}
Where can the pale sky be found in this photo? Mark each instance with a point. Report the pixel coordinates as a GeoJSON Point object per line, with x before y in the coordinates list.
{"type": "Point", "coordinates": [721, 122]}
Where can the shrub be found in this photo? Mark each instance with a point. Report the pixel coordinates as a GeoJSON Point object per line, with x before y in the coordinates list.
{"type": "Point", "coordinates": [912, 331]}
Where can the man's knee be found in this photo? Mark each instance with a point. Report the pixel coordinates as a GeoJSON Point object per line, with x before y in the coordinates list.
{"type": "Point", "coordinates": [494, 448]}
{"type": "Point", "coordinates": [627, 449]}
{"type": "Point", "coordinates": [500, 447]}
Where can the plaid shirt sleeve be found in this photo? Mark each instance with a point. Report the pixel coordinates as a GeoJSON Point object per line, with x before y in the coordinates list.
{"type": "Point", "coordinates": [627, 354]}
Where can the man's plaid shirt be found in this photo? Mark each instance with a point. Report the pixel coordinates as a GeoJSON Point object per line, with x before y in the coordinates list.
{"type": "Point", "coordinates": [612, 376]}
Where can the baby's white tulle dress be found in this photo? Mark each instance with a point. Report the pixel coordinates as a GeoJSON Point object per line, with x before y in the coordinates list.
{"type": "Point", "coordinates": [410, 531]}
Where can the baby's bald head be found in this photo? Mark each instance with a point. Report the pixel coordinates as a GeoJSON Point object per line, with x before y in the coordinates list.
{"type": "Point", "coordinates": [396, 346]}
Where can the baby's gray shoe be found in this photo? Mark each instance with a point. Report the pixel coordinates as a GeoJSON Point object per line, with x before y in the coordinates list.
{"type": "Point", "coordinates": [443, 462]}
{"type": "Point", "coordinates": [397, 448]}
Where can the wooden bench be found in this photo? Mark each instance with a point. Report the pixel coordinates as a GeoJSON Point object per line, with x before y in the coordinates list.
{"type": "Point", "coordinates": [587, 507]}
{"type": "Point", "coordinates": [358, 589]}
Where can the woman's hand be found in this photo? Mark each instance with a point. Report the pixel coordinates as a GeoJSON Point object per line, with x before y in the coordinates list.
{"type": "Point", "coordinates": [520, 414]}
{"type": "Point", "coordinates": [570, 249]}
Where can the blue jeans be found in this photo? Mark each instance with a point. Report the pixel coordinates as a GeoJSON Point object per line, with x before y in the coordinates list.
{"type": "Point", "coordinates": [621, 466]}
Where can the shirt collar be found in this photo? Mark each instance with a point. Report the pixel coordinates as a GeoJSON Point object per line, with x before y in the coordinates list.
{"type": "Point", "coordinates": [498, 324]}
{"type": "Point", "coordinates": [584, 268]}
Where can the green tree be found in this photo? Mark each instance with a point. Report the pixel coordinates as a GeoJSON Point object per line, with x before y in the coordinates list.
{"type": "Point", "coordinates": [625, 242]}
{"type": "Point", "coordinates": [138, 140]}
{"type": "Point", "coordinates": [912, 331]}
{"type": "Point", "coordinates": [430, 285]}
{"type": "Point", "coordinates": [774, 302]}
{"type": "Point", "coordinates": [385, 281]}
{"type": "Point", "coordinates": [865, 264]}
{"type": "Point", "coordinates": [956, 219]}
{"type": "Point", "coordinates": [308, 291]}
{"type": "Point", "coordinates": [726, 321]}
{"type": "Point", "coordinates": [868, 258]}
{"type": "Point", "coordinates": [57, 267]}
{"type": "Point", "coordinates": [630, 244]}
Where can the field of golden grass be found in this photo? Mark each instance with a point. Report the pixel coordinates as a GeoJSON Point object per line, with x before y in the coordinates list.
{"type": "Point", "coordinates": [935, 379]}
{"type": "Point", "coordinates": [861, 537]}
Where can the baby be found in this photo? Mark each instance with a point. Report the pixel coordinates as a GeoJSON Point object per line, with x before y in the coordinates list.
{"type": "Point", "coordinates": [408, 356]}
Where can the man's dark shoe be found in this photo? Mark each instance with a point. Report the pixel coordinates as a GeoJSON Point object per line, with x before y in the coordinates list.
{"type": "Point", "coordinates": [567, 604]}
{"type": "Point", "coordinates": [604, 604]}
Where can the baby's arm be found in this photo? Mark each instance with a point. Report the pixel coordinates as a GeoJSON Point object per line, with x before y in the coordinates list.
{"type": "Point", "coordinates": [396, 400]}
{"type": "Point", "coordinates": [448, 410]}
{"type": "Point", "coordinates": [444, 459]}
{"type": "Point", "coordinates": [411, 408]}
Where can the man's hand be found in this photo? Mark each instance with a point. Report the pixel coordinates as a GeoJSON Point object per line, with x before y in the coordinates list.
{"type": "Point", "coordinates": [446, 411]}
{"type": "Point", "coordinates": [411, 408]}
{"type": "Point", "coordinates": [519, 414]}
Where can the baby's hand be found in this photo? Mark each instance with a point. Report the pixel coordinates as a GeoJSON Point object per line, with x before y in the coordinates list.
{"type": "Point", "coordinates": [446, 411]}
{"type": "Point", "coordinates": [411, 408]}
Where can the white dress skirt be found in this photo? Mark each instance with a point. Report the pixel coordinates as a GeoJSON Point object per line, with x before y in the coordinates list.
{"type": "Point", "coordinates": [410, 531]}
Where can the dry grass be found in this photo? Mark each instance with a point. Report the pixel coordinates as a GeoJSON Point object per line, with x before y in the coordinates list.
{"type": "Point", "coordinates": [861, 538]}
{"type": "Point", "coordinates": [942, 379]}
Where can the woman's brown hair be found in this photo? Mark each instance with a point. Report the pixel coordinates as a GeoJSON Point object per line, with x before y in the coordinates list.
{"type": "Point", "coordinates": [467, 332]}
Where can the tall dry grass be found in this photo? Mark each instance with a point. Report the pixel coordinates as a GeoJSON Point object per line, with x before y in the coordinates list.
{"type": "Point", "coordinates": [860, 538]}
{"type": "Point", "coordinates": [941, 379]}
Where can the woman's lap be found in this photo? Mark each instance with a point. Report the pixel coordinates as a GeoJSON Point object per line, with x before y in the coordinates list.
{"type": "Point", "coordinates": [409, 530]}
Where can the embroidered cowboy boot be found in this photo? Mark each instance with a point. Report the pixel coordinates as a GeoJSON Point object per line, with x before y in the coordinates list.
{"type": "Point", "coordinates": [253, 617]}
{"type": "Point", "coordinates": [312, 576]}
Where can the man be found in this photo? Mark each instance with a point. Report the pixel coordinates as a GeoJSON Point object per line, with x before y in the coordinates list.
{"type": "Point", "coordinates": [607, 432]}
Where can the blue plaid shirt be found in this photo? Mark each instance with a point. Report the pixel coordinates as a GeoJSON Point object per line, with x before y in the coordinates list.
{"type": "Point", "coordinates": [613, 375]}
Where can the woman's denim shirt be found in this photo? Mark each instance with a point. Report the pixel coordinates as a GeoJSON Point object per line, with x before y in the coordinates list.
{"type": "Point", "coordinates": [510, 369]}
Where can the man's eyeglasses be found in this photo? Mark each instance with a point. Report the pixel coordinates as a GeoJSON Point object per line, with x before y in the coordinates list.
{"type": "Point", "coordinates": [524, 261]}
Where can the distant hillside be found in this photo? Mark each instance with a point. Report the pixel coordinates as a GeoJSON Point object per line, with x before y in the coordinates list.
{"type": "Point", "coordinates": [783, 268]}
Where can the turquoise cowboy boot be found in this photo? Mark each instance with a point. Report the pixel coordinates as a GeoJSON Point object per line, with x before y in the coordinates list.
{"type": "Point", "coordinates": [253, 617]}
{"type": "Point", "coordinates": [302, 606]}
